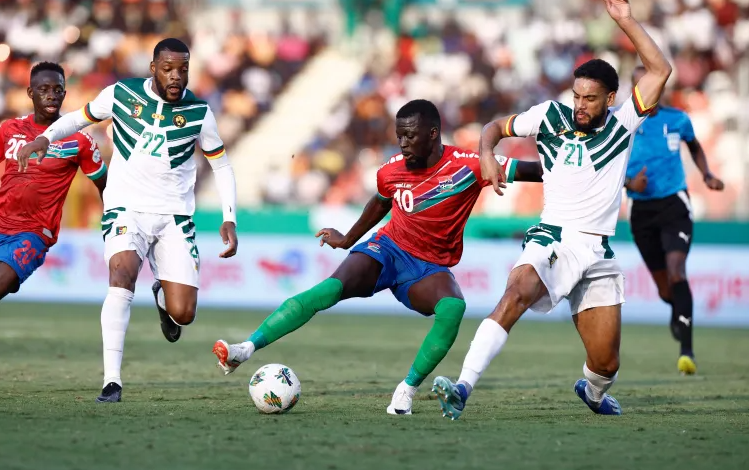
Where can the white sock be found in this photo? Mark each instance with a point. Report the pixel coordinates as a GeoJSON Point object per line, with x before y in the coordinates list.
{"type": "Point", "coordinates": [597, 384]}
{"type": "Point", "coordinates": [115, 316]}
{"type": "Point", "coordinates": [245, 351]}
{"type": "Point", "coordinates": [488, 342]}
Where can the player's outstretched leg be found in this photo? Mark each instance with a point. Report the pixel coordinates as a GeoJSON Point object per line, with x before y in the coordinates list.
{"type": "Point", "coordinates": [355, 277]}
{"type": "Point", "coordinates": [438, 294]}
{"type": "Point", "coordinates": [292, 314]}
{"type": "Point", "coordinates": [600, 330]}
{"type": "Point", "coordinates": [115, 316]}
{"type": "Point", "coordinates": [524, 288]}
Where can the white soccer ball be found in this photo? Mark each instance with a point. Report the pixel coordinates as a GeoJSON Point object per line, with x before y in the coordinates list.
{"type": "Point", "coordinates": [275, 388]}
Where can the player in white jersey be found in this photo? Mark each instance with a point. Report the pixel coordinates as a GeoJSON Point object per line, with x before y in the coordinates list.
{"type": "Point", "coordinates": [150, 199]}
{"type": "Point", "coordinates": [584, 155]}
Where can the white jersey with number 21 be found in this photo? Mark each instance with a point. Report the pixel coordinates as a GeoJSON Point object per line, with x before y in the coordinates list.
{"type": "Point", "coordinates": [583, 173]}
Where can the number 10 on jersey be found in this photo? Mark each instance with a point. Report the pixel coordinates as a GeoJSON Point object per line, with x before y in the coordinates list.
{"type": "Point", "coordinates": [405, 199]}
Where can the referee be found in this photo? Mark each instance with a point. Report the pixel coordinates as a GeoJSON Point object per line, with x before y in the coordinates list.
{"type": "Point", "coordinates": [661, 216]}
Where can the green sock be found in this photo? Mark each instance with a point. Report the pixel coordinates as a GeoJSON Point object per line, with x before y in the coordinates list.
{"type": "Point", "coordinates": [447, 316]}
{"type": "Point", "coordinates": [297, 311]}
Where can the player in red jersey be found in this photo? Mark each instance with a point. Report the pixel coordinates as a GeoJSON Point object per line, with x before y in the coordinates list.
{"type": "Point", "coordinates": [31, 202]}
{"type": "Point", "coordinates": [434, 187]}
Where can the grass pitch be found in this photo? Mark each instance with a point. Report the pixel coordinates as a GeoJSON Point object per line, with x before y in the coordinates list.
{"type": "Point", "coordinates": [179, 412]}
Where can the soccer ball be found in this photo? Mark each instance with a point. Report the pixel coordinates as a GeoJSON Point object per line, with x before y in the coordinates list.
{"type": "Point", "coordinates": [275, 388]}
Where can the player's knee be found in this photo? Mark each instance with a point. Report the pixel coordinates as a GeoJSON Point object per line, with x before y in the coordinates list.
{"type": "Point", "coordinates": [122, 278]}
{"type": "Point", "coordinates": [676, 267]}
{"type": "Point", "coordinates": [664, 294]}
{"type": "Point", "coordinates": [184, 310]}
{"type": "Point", "coordinates": [449, 311]}
{"type": "Point", "coordinates": [676, 274]}
{"type": "Point", "coordinates": [514, 302]}
{"type": "Point", "coordinates": [183, 315]}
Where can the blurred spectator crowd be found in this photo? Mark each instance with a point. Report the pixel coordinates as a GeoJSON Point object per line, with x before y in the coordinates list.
{"type": "Point", "coordinates": [476, 64]}
{"type": "Point", "coordinates": [239, 61]}
{"type": "Point", "coordinates": [479, 64]}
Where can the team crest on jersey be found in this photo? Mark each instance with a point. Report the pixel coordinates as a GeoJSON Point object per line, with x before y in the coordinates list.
{"type": "Point", "coordinates": [120, 231]}
{"type": "Point", "coordinates": [373, 247]}
{"type": "Point", "coordinates": [137, 110]}
{"type": "Point", "coordinates": [553, 258]}
{"type": "Point", "coordinates": [179, 120]}
{"type": "Point", "coordinates": [445, 184]}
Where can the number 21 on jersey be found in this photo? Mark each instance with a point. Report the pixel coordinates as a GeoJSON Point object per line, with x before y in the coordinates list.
{"type": "Point", "coordinates": [405, 199]}
{"type": "Point", "coordinates": [574, 154]}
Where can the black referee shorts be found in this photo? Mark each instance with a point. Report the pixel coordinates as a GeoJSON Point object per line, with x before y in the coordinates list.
{"type": "Point", "coordinates": [660, 226]}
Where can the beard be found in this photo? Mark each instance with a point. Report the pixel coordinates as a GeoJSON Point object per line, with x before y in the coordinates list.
{"type": "Point", "coordinates": [593, 123]}
{"type": "Point", "coordinates": [162, 90]}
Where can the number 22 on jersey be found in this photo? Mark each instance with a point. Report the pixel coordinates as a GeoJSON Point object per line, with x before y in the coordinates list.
{"type": "Point", "coordinates": [151, 144]}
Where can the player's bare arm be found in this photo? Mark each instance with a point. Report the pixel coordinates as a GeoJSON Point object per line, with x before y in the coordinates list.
{"type": "Point", "coordinates": [657, 67]}
{"type": "Point", "coordinates": [698, 155]}
{"type": "Point", "coordinates": [491, 170]}
{"type": "Point", "coordinates": [38, 146]}
{"type": "Point", "coordinates": [375, 210]}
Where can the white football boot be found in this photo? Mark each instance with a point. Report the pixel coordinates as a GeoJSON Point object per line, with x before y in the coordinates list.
{"type": "Point", "coordinates": [403, 397]}
{"type": "Point", "coordinates": [230, 356]}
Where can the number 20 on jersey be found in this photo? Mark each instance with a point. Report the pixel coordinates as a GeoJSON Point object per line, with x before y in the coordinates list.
{"type": "Point", "coordinates": [14, 145]}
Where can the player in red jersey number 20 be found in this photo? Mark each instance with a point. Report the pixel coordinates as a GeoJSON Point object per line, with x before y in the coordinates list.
{"type": "Point", "coordinates": [431, 189]}
{"type": "Point", "coordinates": [31, 202]}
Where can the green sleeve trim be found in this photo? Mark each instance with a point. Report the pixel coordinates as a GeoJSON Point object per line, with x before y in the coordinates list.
{"type": "Point", "coordinates": [511, 170]}
{"type": "Point", "coordinates": [98, 173]}
{"type": "Point", "coordinates": [383, 198]}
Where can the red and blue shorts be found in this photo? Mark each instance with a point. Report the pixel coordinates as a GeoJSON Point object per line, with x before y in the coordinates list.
{"type": "Point", "coordinates": [24, 252]}
{"type": "Point", "coordinates": [400, 270]}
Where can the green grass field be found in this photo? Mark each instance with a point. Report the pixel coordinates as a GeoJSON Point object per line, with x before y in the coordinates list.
{"type": "Point", "coordinates": [179, 412]}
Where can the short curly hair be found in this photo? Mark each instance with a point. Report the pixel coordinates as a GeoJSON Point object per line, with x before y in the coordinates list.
{"type": "Point", "coordinates": [47, 67]}
{"type": "Point", "coordinates": [601, 71]}
{"type": "Point", "coordinates": [424, 109]}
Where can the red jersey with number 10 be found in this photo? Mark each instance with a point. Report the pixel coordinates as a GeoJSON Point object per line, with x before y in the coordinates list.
{"type": "Point", "coordinates": [32, 201]}
{"type": "Point", "coordinates": [431, 206]}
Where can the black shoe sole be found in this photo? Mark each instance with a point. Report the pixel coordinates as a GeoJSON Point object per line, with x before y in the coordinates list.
{"type": "Point", "coordinates": [169, 329]}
